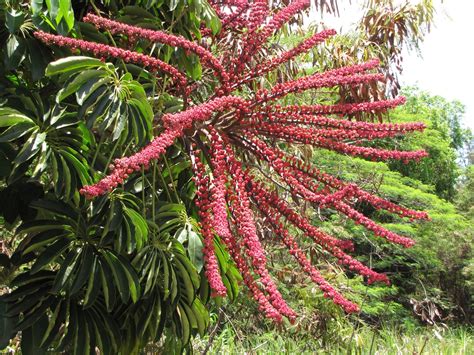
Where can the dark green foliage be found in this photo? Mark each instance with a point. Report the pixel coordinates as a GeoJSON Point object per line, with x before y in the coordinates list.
{"type": "Point", "coordinates": [443, 140]}
{"type": "Point", "coordinates": [432, 269]}
{"type": "Point", "coordinates": [124, 270]}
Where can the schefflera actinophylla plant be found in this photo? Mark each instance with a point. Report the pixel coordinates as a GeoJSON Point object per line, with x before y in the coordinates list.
{"type": "Point", "coordinates": [232, 121]}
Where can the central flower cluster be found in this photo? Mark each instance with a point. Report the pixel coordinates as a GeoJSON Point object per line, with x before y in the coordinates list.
{"type": "Point", "coordinates": [228, 195]}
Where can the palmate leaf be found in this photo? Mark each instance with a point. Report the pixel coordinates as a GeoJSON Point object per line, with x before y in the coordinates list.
{"type": "Point", "coordinates": [72, 241]}
{"type": "Point", "coordinates": [44, 326]}
{"type": "Point", "coordinates": [48, 142]}
{"type": "Point", "coordinates": [106, 100]}
{"type": "Point", "coordinates": [171, 281]}
{"type": "Point", "coordinates": [90, 282]}
{"type": "Point", "coordinates": [125, 227]}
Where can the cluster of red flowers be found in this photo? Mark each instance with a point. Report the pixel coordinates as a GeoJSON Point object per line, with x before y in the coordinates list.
{"type": "Point", "coordinates": [103, 50]}
{"type": "Point", "coordinates": [205, 206]}
{"type": "Point", "coordinates": [227, 123]}
{"type": "Point", "coordinates": [133, 32]}
{"type": "Point", "coordinates": [229, 20]}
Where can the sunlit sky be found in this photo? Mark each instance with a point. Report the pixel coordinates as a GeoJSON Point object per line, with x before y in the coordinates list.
{"type": "Point", "coordinates": [446, 67]}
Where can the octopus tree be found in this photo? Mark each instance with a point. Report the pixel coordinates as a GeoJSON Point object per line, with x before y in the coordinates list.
{"type": "Point", "coordinates": [241, 118]}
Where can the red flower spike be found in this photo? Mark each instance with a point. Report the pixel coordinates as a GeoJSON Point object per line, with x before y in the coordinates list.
{"type": "Point", "coordinates": [204, 207]}
{"type": "Point", "coordinates": [248, 120]}
{"type": "Point", "coordinates": [246, 228]}
{"type": "Point", "coordinates": [282, 17]}
{"type": "Point", "coordinates": [104, 50]}
{"type": "Point", "coordinates": [231, 19]}
{"type": "Point", "coordinates": [343, 109]}
{"type": "Point", "coordinates": [160, 37]}
{"type": "Point", "coordinates": [361, 128]}
{"type": "Point", "coordinates": [329, 243]}
{"type": "Point", "coordinates": [123, 167]}
{"type": "Point", "coordinates": [292, 134]}
{"type": "Point", "coordinates": [314, 173]}
{"type": "Point", "coordinates": [273, 217]}
{"type": "Point", "coordinates": [221, 226]}
{"type": "Point", "coordinates": [303, 47]}
{"type": "Point", "coordinates": [301, 187]}
{"type": "Point", "coordinates": [256, 39]}
{"type": "Point", "coordinates": [315, 82]}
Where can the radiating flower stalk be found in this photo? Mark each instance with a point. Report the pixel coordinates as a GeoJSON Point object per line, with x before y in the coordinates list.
{"type": "Point", "coordinates": [232, 121]}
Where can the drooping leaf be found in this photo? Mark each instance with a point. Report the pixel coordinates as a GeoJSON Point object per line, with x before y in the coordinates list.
{"type": "Point", "coordinates": [69, 64]}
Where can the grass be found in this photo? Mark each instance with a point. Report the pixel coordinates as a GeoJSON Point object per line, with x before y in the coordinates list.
{"type": "Point", "coordinates": [364, 341]}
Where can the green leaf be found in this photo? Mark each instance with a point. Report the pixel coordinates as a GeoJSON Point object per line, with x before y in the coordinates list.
{"type": "Point", "coordinates": [79, 167]}
{"type": "Point", "coordinates": [66, 271]}
{"type": "Point", "coordinates": [40, 240]}
{"type": "Point", "coordinates": [29, 289]}
{"type": "Point", "coordinates": [132, 277]}
{"type": "Point", "coordinates": [215, 24]}
{"type": "Point", "coordinates": [77, 82]}
{"type": "Point", "coordinates": [16, 131]}
{"type": "Point", "coordinates": [40, 225]}
{"type": "Point", "coordinates": [191, 269]}
{"type": "Point", "coordinates": [141, 229]}
{"type": "Point", "coordinates": [86, 90]}
{"type": "Point", "coordinates": [81, 341]}
{"type": "Point", "coordinates": [152, 273]}
{"type": "Point", "coordinates": [101, 106]}
{"type": "Point", "coordinates": [222, 256]}
{"type": "Point", "coordinates": [181, 235]}
{"type": "Point", "coordinates": [148, 314]}
{"type": "Point", "coordinates": [65, 182]}
{"type": "Point", "coordinates": [195, 250]}
{"type": "Point", "coordinates": [68, 64]}
{"type": "Point", "coordinates": [55, 322]}
{"type": "Point", "coordinates": [28, 303]}
{"type": "Point", "coordinates": [57, 207]}
{"type": "Point", "coordinates": [108, 286]}
{"type": "Point", "coordinates": [10, 117]}
{"type": "Point", "coordinates": [202, 316]}
{"type": "Point", "coordinates": [67, 13]}
{"type": "Point", "coordinates": [173, 4]}
{"type": "Point", "coordinates": [119, 275]}
{"type": "Point", "coordinates": [38, 58]}
{"type": "Point", "coordinates": [137, 11]}
{"type": "Point", "coordinates": [119, 124]}
{"type": "Point", "coordinates": [108, 331]}
{"type": "Point", "coordinates": [31, 337]}
{"type": "Point", "coordinates": [31, 147]}
{"type": "Point", "coordinates": [13, 20]}
{"type": "Point", "coordinates": [186, 286]}
{"type": "Point", "coordinates": [26, 277]}
{"type": "Point", "coordinates": [69, 333]}
{"type": "Point", "coordinates": [84, 271]}
{"type": "Point", "coordinates": [15, 52]}
{"type": "Point", "coordinates": [93, 285]}
{"type": "Point", "coordinates": [7, 325]}
{"type": "Point", "coordinates": [125, 277]}
{"type": "Point", "coordinates": [31, 317]}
